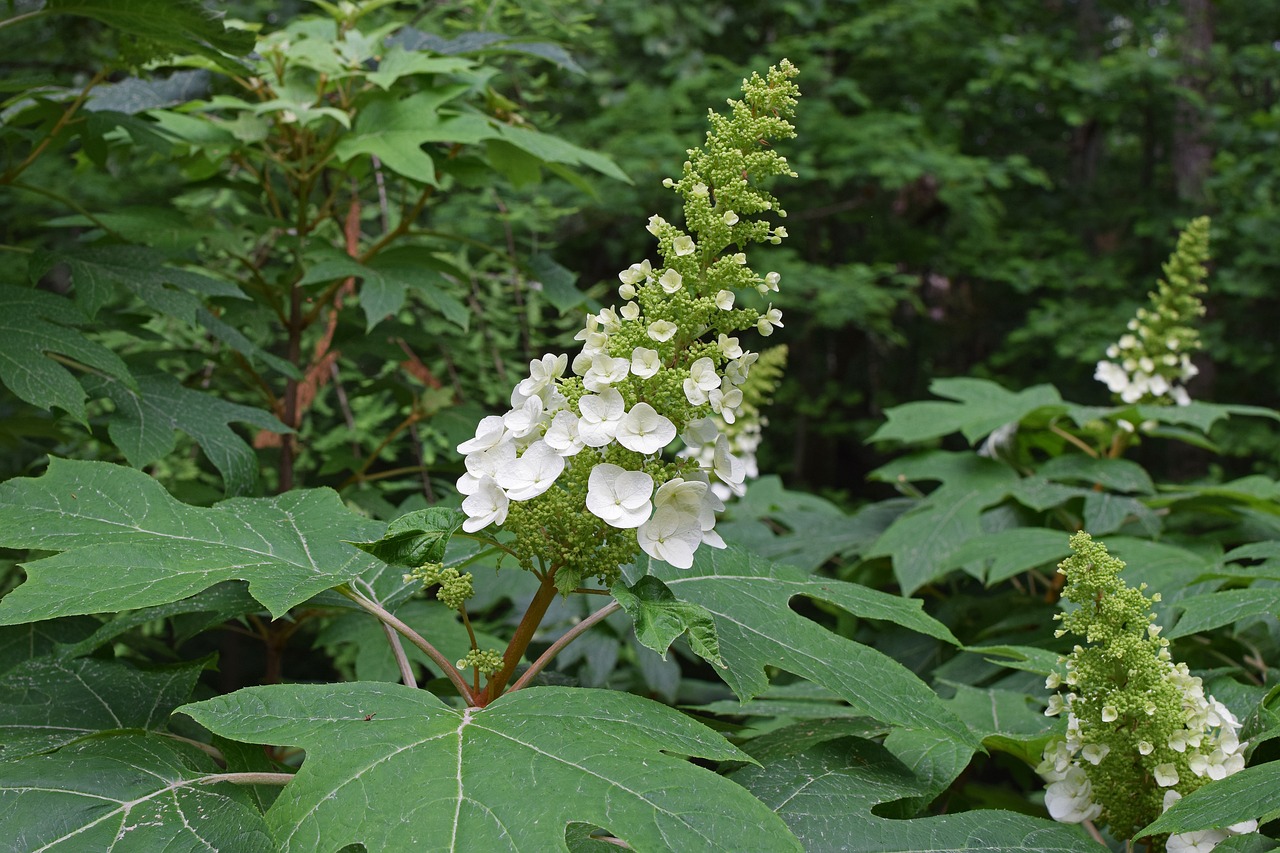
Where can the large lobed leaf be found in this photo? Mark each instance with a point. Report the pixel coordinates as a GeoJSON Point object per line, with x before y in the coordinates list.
{"type": "Point", "coordinates": [826, 792]}
{"type": "Point", "coordinates": [1253, 793]}
{"type": "Point", "coordinates": [748, 600]}
{"type": "Point", "coordinates": [981, 407]}
{"type": "Point", "coordinates": [396, 769]}
{"type": "Point", "coordinates": [126, 792]}
{"type": "Point", "coordinates": [127, 543]}
{"type": "Point", "coordinates": [170, 26]}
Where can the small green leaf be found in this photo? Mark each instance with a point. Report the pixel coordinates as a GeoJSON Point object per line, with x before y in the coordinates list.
{"type": "Point", "coordinates": [415, 539]}
{"type": "Point", "coordinates": [127, 792]}
{"type": "Point", "coordinates": [49, 702]}
{"type": "Point", "coordinates": [557, 282]}
{"type": "Point", "coordinates": [660, 618]}
{"type": "Point", "coordinates": [387, 280]}
{"type": "Point", "coordinates": [394, 131]}
{"type": "Point", "coordinates": [418, 774]}
{"type": "Point", "coordinates": [1251, 794]}
{"type": "Point", "coordinates": [127, 543]}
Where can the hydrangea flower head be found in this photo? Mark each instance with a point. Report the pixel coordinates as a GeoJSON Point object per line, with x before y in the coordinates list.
{"type": "Point", "coordinates": [578, 469]}
{"type": "Point", "coordinates": [1140, 730]}
{"type": "Point", "coordinates": [1151, 362]}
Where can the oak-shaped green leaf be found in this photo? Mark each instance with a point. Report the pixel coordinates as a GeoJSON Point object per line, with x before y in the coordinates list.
{"type": "Point", "coordinates": [126, 792]}
{"type": "Point", "coordinates": [390, 277]}
{"type": "Point", "coordinates": [660, 618]}
{"type": "Point", "coordinates": [419, 775]}
{"type": "Point", "coordinates": [415, 539]}
{"type": "Point", "coordinates": [19, 643]}
{"type": "Point", "coordinates": [127, 543]}
{"type": "Point", "coordinates": [923, 540]}
{"type": "Point", "coordinates": [826, 792]}
{"type": "Point", "coordinates": [394, 131]}
{"type": "Point", "coordinates": [34, 324]}
{"type": "Point", "coordinates": [48, 702]}
{"type": "Point", "coordinates": [748, 599]}
{"type": "Point", "coordinates": [1251, 794]}
{"type": "Point", "coordinates": [1119, 475]}
{"type": "Point", "coordinates": [147, 417]}
{"type": "Point", "coordinates": [981, 406]}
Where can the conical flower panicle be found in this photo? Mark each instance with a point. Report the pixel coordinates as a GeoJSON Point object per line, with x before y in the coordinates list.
{"type": "Point", "coordinates": [1151, 363]}
{"type": "Point", "coordinates": [1140, 730]}
{"type": "Point", "coordinates": [577, 468]}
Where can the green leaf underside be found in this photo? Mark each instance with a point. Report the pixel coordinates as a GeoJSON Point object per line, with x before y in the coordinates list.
{"type": "Point", "coordinates": [660, 618]}
{"type": "Point", "coordinates": [422, 776]}
{"type": "Point", "coordinates": [826, 793]}
{"type": "Point", "coordinates": [126, 792]}
{"type": "Point", "coordinates": [127, 543]}
{"type": "Point", "coordinates": [27, 335]}
{"type": "Point", "coordinates": [748, 599]}
{"type": "Point", "coordinates": [1253, 793]}
{"type": "Point", "coordinates": [49, 702]}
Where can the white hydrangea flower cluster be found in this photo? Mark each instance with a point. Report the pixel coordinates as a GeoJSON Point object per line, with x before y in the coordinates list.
{"type": "Point", "coordinates": [576, 468]}
{"type": "Point", "coordinates": [1130, 742]}
{"type": "Point", "coordinates": [1151, 363]}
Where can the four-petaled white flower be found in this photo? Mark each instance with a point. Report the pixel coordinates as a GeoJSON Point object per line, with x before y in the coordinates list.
{"type": "Point", "coordinates": [1166, 775]}
{"type": "Point", "coordinates": [487, 506]}
{"type": "Point", "coordinates": [772, 319]}
{"type": "Point", "coordinates": [645, 362]}
{"type": "Point", "coordinates": [562, 435]}
{"type": "Point", "coordinates": [636, 273]}
{"type": "Point", "coordinates": [644, 430]}
{"type": "Point", "coordinates": [683, 245]}
{"type": "Point", "coordinates": [532, 474]}
{"type": "Point", "coordinates": [605, 370]}
{"type": "Point", "coordinates": [671, 281]}
{"type": "Point", "coordinates": [630, 311]}
{"type": "Point", "coordinates": [724, 300]}
{"type": "Point", "coordinates": [489, 433]}
{"type": "Point", "coordinates": [725, 403]}
{"type": "Point", "coordinates": [1070, 799]}
{"type": "Point", "coordinates": [671, 535]}
{"type": "Point", "coordinates": [729, 346]}
{"type": "Point", "coordinates": [662, 330]}
{"type": "Point", "coordinates": [485, 463]}
{"type": "Point", "coordinates": [619, 497]}
{"type": "Point", "coordinates": [600, 416]}
{"type": "Point", "coordinates": [702, 378]}
{"type": "Point", "coordinates": [525, 419]}
{"type": "Point", "coordinates": [543, 373]}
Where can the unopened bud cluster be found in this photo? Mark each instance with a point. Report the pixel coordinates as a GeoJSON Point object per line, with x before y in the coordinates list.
{"type": "Point", "coordinates": [1151, 363]}
{"type": "Point", "coordinates": [455, 587]}
{"type": "Point", "coordinates": [1140, 730]}
{"type": "Point", "coordinates": [577, 468]}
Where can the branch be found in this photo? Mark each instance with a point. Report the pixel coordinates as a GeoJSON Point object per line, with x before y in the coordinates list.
{"type": "Point", "coordinates": [11, 175]}
{"type": "Point", "coordinates": [245, 779]}
{"type": "Point", "coordinates": [446, 666]}
{"type": "Point", "coordinates": [397, 649]}
{"type": "Point", "coordinates": [567, 638]}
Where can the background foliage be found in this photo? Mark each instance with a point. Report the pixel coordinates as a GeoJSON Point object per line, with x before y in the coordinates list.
{"type": "Point", "coordinates": [227, 275]}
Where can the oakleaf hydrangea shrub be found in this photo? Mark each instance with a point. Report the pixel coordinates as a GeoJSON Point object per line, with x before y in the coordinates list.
{"type": "Point", "coordinates": [578, 470]}
{"type": "Point", "coordinates": [1151, 363]}
{"type": "Point", "coordinates": [1141, 733]}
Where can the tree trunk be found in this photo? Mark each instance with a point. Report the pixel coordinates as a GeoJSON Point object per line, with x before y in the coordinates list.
{"type": "Point", "coordinates": [1192, 153]}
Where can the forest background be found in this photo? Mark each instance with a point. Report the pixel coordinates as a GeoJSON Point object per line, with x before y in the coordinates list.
{"type": "Point", "coordinates": [985, 190]}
